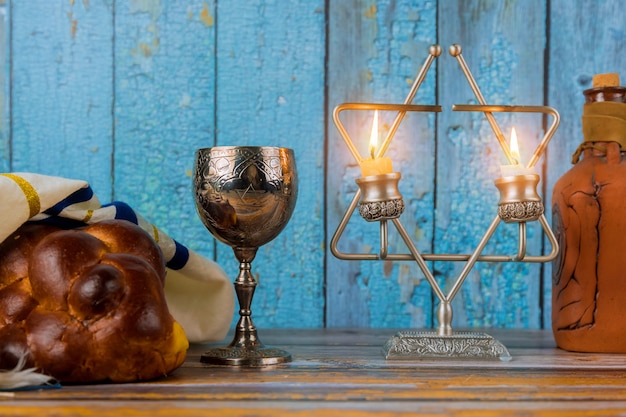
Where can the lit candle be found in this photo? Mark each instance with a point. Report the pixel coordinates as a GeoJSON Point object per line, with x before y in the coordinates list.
{"type": "Point", "coordinates": [374, 165]}
{"type": "Point", "coordinates": [517, 168]}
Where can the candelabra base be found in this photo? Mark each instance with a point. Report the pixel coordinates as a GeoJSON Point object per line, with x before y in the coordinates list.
{"type": "Point", "coordinates": [431, 345]}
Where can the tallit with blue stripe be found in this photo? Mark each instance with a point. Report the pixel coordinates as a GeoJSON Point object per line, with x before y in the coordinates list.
{"type": "Point", "coordinates": [199, 294]}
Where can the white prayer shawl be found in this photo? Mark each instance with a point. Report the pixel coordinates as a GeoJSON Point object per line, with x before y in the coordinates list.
{"type": "Point", "coordinates": [199, 294]}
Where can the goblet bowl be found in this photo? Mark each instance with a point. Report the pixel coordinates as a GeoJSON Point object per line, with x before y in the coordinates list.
{"type": "Point", "coordinates": [245, 195]}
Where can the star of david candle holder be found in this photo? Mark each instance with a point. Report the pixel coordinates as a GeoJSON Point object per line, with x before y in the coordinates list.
{"type": "Point", "coordinates": [379, 200]}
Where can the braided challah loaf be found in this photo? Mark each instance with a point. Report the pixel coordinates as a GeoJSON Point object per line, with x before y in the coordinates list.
{"type": "Point", "coordinates": [87, 305]}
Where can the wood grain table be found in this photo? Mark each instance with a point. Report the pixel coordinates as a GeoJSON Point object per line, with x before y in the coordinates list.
{"type": "Point", "coordinates": [342, 372]}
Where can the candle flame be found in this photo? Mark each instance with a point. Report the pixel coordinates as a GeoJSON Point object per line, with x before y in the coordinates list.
{"type": "Point", "coordinates": [374, 135]}
{"type": "Point", "coordinates": [514, 147]}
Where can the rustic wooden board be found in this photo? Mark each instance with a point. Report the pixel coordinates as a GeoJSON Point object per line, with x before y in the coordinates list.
{"type": "Point", "coordinates": [61, 90]}
{"type": "Point", "coordinates": [285, 408]}
{"type": "Point", "coordinates": [375, 51]}
{"type": "Point", "coordinates": [336, 371]}
{"type": "Point", "coordinates": [503, 45]}
{"type": "Point", "coordinates": [270, 92]}
{"type": "Point", "coordinates": [585, 39]}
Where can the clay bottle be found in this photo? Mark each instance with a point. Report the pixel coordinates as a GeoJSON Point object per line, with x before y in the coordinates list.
{"type": "Point", "coordinates": [589, 220]}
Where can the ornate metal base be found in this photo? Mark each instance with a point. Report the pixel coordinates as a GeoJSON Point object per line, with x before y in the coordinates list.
{"type": "Point", "coordinates": [238, 356]}
{"type": "Point", "coordinates": [430, 345]}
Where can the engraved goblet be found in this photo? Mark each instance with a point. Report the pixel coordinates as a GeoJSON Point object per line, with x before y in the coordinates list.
{"type": "Point", "coordinates": [245, 196]}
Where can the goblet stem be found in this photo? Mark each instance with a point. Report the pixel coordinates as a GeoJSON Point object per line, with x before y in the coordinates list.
{"type": "Point", "coordinates": [245, 332]}
{"type": "Point", "coordinates": [246, 349]}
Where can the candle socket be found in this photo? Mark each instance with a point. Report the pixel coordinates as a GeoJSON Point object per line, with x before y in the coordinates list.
{"type": "Point", "coordinates": [381, 199]}
{"type": "Point", "coordinates": [519, 201]}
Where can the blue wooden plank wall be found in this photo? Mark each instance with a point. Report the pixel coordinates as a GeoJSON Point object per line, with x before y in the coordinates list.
{"type": "Point", "coordinates": [121, 93]}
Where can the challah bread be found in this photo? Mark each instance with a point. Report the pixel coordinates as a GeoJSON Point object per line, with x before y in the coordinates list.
{"type": "Point", "coordinates": [87, 305]}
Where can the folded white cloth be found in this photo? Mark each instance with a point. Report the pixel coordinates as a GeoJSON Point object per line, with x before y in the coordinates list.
{"type": "Point", "coordinates": [199, 294]}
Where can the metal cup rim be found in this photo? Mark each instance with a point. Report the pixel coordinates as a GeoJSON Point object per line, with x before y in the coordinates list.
{"type": "Point", "coordinates": [225, 148]}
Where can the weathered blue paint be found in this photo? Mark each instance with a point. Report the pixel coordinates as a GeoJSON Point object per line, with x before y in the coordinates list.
{"type": "Point", "coordinates": [508, 66]}
{"type": "Point", "coordinates": [270, 92]}
{"type": "Point", "coordinates": [375, 52]}
{"type": "Point", "coordinates": [61, 89]}
{"type": "Point", "coordinates": [164, 110]}
{"type": "Point", "coordinates": [122, 93]}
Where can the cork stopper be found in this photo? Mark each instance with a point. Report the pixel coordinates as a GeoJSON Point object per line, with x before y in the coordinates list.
{"type": "Point", "coordinates": [610, 79]}
{"type": "Point", "coordinates": [605, 88]}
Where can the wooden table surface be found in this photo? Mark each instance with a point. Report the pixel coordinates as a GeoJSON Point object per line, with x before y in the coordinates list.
{"type": "Point", "coordinates": [343, 372]}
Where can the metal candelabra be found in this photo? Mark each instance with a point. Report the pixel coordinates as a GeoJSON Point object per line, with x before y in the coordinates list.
{"type": "Point", "coordinates": [379, 200]}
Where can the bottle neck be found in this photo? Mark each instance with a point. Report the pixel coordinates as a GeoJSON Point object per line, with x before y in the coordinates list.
{"type": "Point", "coordinates": [611, 151]}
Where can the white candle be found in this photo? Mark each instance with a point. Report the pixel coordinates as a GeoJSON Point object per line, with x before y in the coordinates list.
{"type": "Point", "coordinates": [517, 168]}
{"type": "Point", "coordinates": [374, 165]}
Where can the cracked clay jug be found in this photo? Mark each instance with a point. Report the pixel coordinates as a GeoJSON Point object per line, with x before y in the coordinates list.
{"type": "Point", "coordinates": [589, 220]}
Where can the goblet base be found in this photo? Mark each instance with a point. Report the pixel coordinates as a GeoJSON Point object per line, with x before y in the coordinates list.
{"type": "Point", "coordinates": [245, 356]}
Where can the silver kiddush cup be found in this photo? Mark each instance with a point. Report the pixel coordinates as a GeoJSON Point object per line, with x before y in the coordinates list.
{"type": "Point", "coordinates": [245, 196]}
